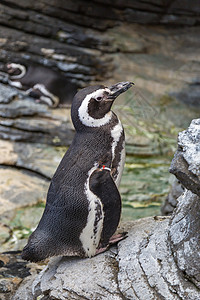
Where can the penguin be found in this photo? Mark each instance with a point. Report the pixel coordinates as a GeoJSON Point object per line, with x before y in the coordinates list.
{"type": "Point", "coordinates": [83, 204]}
{"type": "Point", "coordinates": [42, 83]}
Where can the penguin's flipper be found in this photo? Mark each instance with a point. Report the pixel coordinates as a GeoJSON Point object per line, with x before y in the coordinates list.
{"type": "Point", "coordinates": [104, 187]}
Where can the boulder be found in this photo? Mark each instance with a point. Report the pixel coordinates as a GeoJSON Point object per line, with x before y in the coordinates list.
{"type": "Point", "coordinates": [186, 163]}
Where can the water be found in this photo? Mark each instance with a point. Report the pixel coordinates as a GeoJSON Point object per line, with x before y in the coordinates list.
{"type": "Point", "coordinates": [144, 186]}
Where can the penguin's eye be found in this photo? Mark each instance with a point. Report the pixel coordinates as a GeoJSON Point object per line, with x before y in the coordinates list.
{"type": "Point", "coordinates": [99, 98]}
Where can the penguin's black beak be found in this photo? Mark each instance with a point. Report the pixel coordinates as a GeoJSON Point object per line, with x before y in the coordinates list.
{"type": "Point", "coordinates": [119, 88]}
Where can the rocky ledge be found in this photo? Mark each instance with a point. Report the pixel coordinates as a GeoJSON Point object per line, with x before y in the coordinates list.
{"type": "Point", "coordinates": [158, 260]}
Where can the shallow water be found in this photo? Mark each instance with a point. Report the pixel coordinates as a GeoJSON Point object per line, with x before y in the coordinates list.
{"type": "Point", "coordinates": [144, 186]}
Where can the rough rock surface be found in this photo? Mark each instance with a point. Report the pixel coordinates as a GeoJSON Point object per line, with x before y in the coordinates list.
{"type": "Point", "coordinates": [185, 224]}
{"type": "Point", "coordinates": [140, 267]}
{"type": "Point", "coordinates": [13, 270]}
{"type": "Point", "coordinates": [25, 120]}
{"type": "Point", "coordinates": [171, 200]}
{"type": "Point", "coordinates": [184, 235]}
{"type": "Point", "coordinates": [186, 163]}
{"type": "Point", "coordinates": [17, 189]}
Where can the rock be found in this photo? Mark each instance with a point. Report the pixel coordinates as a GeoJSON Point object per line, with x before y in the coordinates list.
{"type": "Point", "coordinates": [184, 225]}
{"type": "Point", "coordinates": [189, 95]}
{"type": "Point", "coordinates": [17, 189]}
{"type": "Point", "coordinates": [5, 233]}
{"type": "Point", "coordinates": [170, 203]}
{"type": "Point", "coordinates": [184, 234]}
{"type": "Point", "coordinates": [7, 154]}
{"type": "Point", "coordinates": [140, 267]}
{"type": "Point", "coordinates": [186, 165]}
{"type": "Point", "coordinates": [28, 121]}
{"type": "Point", "coordinates": [13, 270]}
{"type": "Point", "coordinates": [33, 157]}
{"type": "Point", "coordinates": [7, 94]}
{"type": "Point", "coordinates": [86, 47]}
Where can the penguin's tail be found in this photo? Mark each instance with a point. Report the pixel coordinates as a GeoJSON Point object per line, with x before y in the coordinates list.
{"type": "Point", "coordinates": [29, 253]}
{"type": "Point", "coordinates": [36, 249]}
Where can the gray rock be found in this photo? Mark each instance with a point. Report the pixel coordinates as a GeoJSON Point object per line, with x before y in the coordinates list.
{"type": "Point", "coordinates": [39, 158]}
{"type": "Point", "coordinates": [189, 95]}
{"type": "Point", "coordinates": [7, 93]}
{"type": "Point", "coordinates": [186, 164]}
{"type": "Point", "coordinates": [171, 200]}
{"type": "Point", "coordinates": [185, 223]}
{"type": "Point", "coordinates": [184, 232]}
{"type": "Point", "coordinates": [17, 189]}
{"type": "Point", "coordinates": [13, 270]}
{"type": "Point", "coordinates": [140, 267]}
{"type": "Point", "coordinates": [87, 46]}
{"type": "Point", "coordinates": [28, 121]}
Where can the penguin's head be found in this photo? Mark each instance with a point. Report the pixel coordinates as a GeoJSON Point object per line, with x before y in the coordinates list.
{"type": "Point", "coordinates": [91, 106]}
{"type": "Point", "coordinates": [15, 70]}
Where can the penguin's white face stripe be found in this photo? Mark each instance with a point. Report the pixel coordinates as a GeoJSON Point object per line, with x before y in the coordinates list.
{"type": "Point", "coordinates": [20, 67]}
{"type": "Point", "coordinates": [90, 236]}
{"type": "Point", "coordinates": [84, 116]}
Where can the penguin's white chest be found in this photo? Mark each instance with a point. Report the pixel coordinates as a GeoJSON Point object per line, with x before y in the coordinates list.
{"type": "Point", "coordinates": [116, 134]}
{"type": "Point", "coordinates": [118, 148]}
